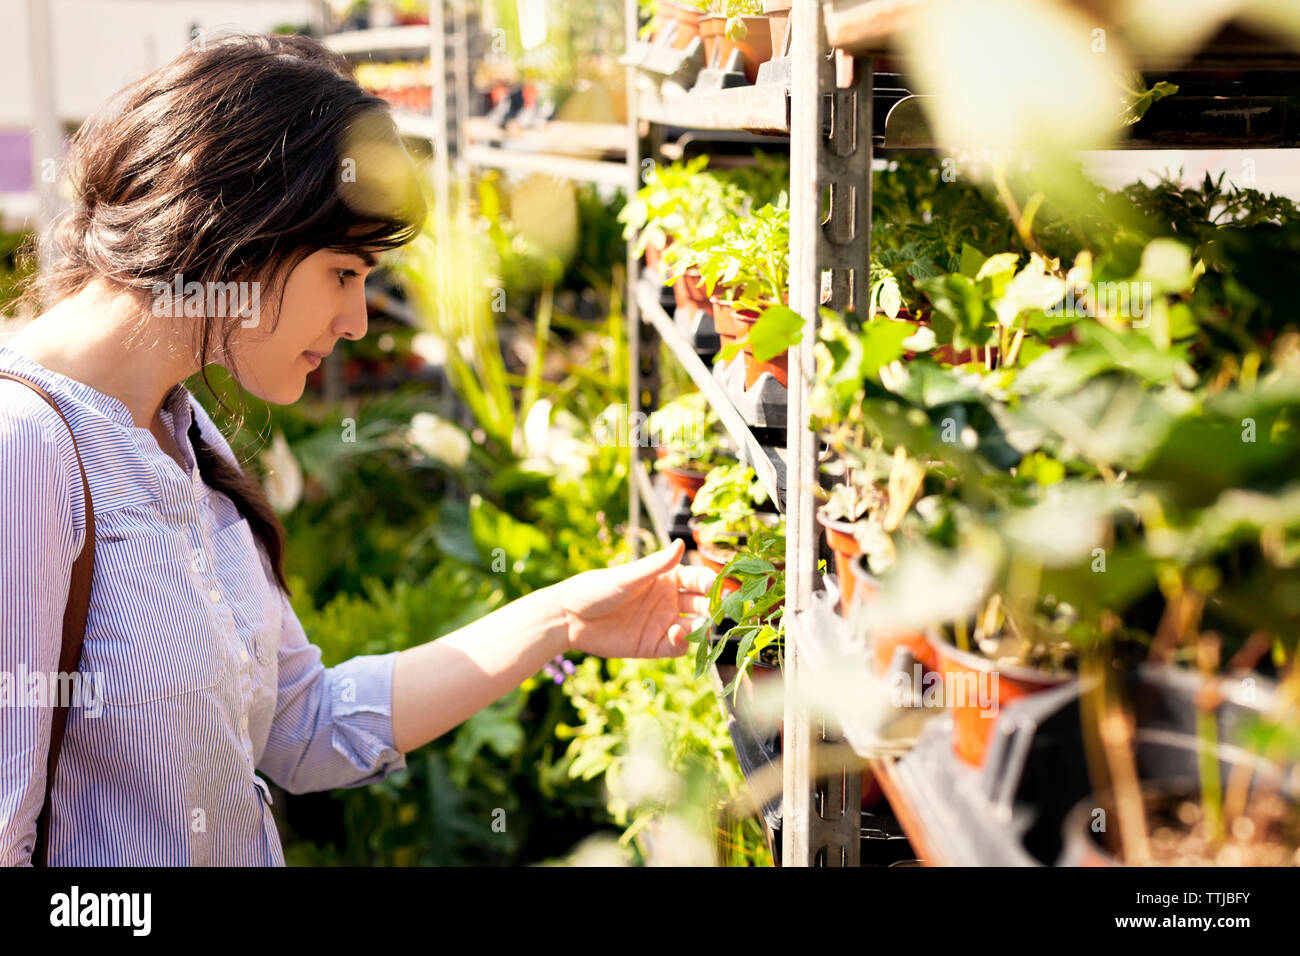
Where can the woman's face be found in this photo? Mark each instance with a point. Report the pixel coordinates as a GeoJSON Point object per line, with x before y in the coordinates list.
{"type": "Point", "coordinates": [324, 300]}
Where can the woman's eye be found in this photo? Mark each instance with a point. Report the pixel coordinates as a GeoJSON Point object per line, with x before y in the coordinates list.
{"type": "Point", "coordinates": [343, 274]}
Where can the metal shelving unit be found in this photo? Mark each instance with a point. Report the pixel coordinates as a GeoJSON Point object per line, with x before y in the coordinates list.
{"type": "Point", "coordinates": [834, 130]}
{"type": "Point", "coordinates": [821, 823]}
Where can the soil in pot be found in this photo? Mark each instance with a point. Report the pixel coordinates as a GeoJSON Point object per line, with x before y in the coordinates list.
{"type": "Point", "coordinates": [1266, 833]}
{"type": "Point", "coordinates": [778, 365]}
{"type": "Point", "coordinates": [975, 689]}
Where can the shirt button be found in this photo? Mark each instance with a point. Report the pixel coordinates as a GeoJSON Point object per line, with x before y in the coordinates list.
{"type": "Point", "coordinates": [214, 594]}
{"type": "Point", "coordinates": [243, 655]}
{"type": "Point", "coordinates": [243, 723]}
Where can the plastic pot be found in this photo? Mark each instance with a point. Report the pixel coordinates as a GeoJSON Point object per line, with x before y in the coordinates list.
{"type": "Point", "coordinates": [885, 646]}
{"type": "Point", "coordinates": [778, 365]}
{"type": "Point", "coordinates": [972, 724]}
{"type": "Point", "coordinates": [1083, 846]}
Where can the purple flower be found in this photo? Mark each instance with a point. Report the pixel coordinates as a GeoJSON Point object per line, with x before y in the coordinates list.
{"type": "Point", "coordinates": [559, 668]}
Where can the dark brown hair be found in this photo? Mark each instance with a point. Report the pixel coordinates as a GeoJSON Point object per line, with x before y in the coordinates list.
{"type": "Point", "coordinates": [235, 161]}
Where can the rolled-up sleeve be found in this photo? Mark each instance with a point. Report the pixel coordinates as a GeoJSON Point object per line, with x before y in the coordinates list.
{"type": "Point", "coordinates": [37, 542]}
{"type": "Point", "coordinates": [333, 726]}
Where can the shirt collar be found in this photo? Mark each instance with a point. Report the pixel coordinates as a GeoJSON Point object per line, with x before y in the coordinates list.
{"type": "Point", "coordinates": [176, 403]}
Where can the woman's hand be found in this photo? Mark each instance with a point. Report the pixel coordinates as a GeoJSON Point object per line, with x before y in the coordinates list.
{"type": "Point", "coordinates": [635, 610]}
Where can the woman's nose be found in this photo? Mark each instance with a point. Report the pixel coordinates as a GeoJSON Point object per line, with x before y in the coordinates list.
{"type": "Point", "coordinates": [352, 324]}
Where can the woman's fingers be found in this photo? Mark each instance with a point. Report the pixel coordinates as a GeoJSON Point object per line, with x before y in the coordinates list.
{"type": "Point", "coordinates": [692, 603]}
{"type": "Point", "coordinates": [694, 579]}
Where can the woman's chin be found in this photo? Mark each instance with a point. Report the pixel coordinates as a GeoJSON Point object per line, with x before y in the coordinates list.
{"type": "Point", "coordinates": [285, 392]}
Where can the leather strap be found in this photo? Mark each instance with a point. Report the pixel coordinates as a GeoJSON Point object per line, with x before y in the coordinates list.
{"type": "Point", "coordinates": [74, 628]}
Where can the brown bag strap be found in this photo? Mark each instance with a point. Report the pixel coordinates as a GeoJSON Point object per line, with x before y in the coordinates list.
{"type": "Point", "coordinates": [74, 628]}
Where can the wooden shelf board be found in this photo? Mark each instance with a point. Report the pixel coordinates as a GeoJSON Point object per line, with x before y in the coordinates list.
{"type": "Point", "coordinates": [757, 109]}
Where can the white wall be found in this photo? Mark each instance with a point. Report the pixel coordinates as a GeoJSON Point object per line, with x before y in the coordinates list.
{"type": "Point", "coordinates": [101, 45]}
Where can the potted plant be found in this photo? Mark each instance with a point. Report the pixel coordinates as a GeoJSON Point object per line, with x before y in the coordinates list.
{"type": "Point", "coordinates": [685, 14]}
{"type": "Point", "coordinates": [755, 605]}
{"type": "Point", "coordinates": [778, 20]}
{"type": "Point", "coordinates": [1171, 798]}
{"type": "Point", "coordinates": [726, 514]}
{"type": "Point", "coordinates": [851, 519]}
{"type": "Point", "coordinates": [744, 266]}
{"type": "Point", "coordinates": [686, 434]}
{"type": "Point", "coordinates": [738, 25]}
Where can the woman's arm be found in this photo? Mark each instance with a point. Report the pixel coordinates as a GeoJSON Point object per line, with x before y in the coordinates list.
{"type": "Point", "coordinates": [631, 610]}
{"type": "Point", "coordinates": [438, 685]}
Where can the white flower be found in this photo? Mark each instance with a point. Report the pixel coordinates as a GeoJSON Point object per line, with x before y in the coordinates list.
{"type": "Point", "coordinates": [439, 439]}
{"type": "Point", "coordinates": [555, 447]}
{"type": "Point", "coordinates": [283, 483]}
{"type": "Point", "coordinates": [429, 348]}
{"type": "Point", "coordinates": [537, 429]}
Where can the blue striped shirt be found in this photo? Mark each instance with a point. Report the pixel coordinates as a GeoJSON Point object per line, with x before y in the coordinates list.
{"type": "Point", "coordinates": [196, 673]}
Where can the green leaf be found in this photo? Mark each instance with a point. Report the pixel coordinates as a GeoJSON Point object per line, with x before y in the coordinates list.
{"type": "Point", "coordinates": [777, 329]}
{"type": "Point", "coordinates": [971, 260]}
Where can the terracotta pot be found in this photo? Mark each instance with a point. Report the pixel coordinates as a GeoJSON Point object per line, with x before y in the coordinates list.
{"type": "Point", "coordinates": [723, 322]}
{"type": "Point", "coordinates": [712, 27]}
{"type": "Point", "coordinates": [694, 286]}
{"type": "Point", "coordinates": [688, 21]}
{"type": "Point", "coordinates": [884, 646]}
{"type": "Point", "coordinates": [716, 556]}
{"type": "Point", "coordinates": [755, 49]}
{"type": "Point", "coordinates": [972, 726]}
{"type": "Point", "coordinates": [839, 536]}
{"type": "Point", "coordinates": [685, 481]}
{"type": "Point", "coordinates": [778, 365]}
{"type": "Point", "coordinates": [653, 255]}
{"type": "Point", "coordinates": [778, 21]}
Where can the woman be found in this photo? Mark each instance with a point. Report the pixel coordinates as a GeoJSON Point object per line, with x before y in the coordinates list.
{"type": "Point", "coordinates": [256, 168]}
